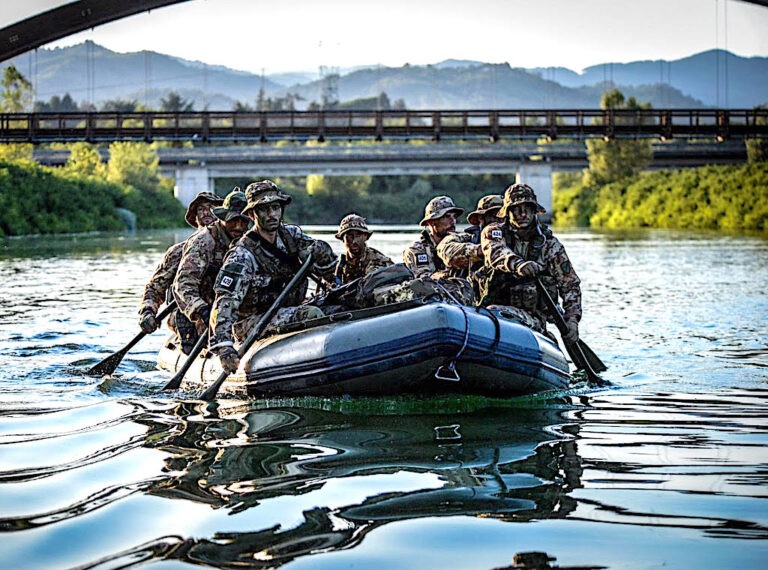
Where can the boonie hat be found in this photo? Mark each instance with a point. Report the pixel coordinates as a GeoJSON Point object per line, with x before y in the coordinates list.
{"type": "Point", "coordinates": [191, 216]}
{"type": "Point", "coordinates": [264, 192]}
{"type": "Point", "coordinates": [519, 194]}
{"type": "Point", "coordinates": [485, 205]}
{"type": "Point", "coordinates": [352, 222]}
{"type": "Point", "coordinates": [232, 207]}
{"type": "Point", "coordinates": [438, 207]}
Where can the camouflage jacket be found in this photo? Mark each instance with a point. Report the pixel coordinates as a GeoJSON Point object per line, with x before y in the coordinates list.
{"type": "Point", "coordinates": [457, 247]}
{"type": "Point", "coordinates": [255, 272]}
{"type": "Point", "coordinates": [201, 260]}
{"type": "Point", "coordinates": [504, 251]}
{"type": "Point", "coordinates": [348, 269]}
{"type": "Point", "coordinates": [161, 281]}
{"type": "Point", "coordinates": [421, 257]}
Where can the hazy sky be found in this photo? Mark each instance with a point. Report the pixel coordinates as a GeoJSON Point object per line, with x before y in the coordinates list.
{"type": "Point", "coordinates": [301, 35]}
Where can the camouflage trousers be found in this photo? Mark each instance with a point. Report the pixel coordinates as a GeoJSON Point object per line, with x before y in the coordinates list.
{"type": "Point", "coordinates": [284, 316]}
{"type": "Point", "coordinates": [525, 318]}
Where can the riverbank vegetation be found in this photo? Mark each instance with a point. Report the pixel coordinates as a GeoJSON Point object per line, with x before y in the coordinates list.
{"type": "Point", "coordinates": [616, 192]}
{"type": "Point", "coordinates": [85, 194]}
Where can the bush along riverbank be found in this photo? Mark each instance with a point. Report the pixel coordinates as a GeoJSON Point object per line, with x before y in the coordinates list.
{"type": "Point", "coordinates": [36, 199]}
{"type": "Point", "coordinates": [708, 198]}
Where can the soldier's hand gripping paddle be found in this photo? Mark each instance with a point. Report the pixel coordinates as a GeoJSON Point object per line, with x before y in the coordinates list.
{"type": "Point", "coordinates": [255, 333]}
{"type": "Point", "coordinates": [110, 363]}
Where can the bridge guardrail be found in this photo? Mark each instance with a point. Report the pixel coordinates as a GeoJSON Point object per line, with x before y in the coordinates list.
{"type": "Point", "coordinates": [435, 125]}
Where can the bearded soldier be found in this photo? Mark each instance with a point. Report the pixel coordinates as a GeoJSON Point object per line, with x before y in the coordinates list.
{"type": "Point", "coordinates": [158, 289]}
{"type": "Point", "coordinates": [359, 258]}
{"type": "Point", "coordinates": [258, 268]}
{"type": "Point", "coordinates": [439, 222]}
{"type": "Point", "coordinates": [203, 256]}
{"type": "Point", "coordinates": [519, 248]}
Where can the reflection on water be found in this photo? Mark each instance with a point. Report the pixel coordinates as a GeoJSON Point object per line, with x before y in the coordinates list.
{"type": "Point", "coordinates": [666, 468]}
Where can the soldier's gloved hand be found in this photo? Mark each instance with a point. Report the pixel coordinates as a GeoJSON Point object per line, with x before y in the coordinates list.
{"type": "Point", "coordinates": [230, 361]}
{"type": "Point", "coordinates": [148, 322]}
{"type": "Point", "coordinates": [528, 269]}
{"type": "Point", "coordinates": [573, 331]}
{"type": "Point", "coordinates": [203, 314]}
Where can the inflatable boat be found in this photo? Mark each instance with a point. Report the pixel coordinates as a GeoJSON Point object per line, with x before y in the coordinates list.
{"type": "Point", "coordinates": [415, 347]}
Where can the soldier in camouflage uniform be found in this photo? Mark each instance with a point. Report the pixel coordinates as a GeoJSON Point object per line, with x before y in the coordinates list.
{"type": "Point", "coordinates": [158, 289]}
{"type": "Point", "coordinates": [455, 251]}
{"type": "Point", "coordinates": [257, 269]}
{"type": "Point", "coordinates": [359, 259]}
{"type": "Point", "coordinates": [519, 248]}
{"type": "Point", "coordinates": [203, 256]}
{"type": "Point", "coordinates": [439, 221]}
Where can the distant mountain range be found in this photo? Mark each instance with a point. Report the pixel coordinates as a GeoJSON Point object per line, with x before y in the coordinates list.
{"type": "Point", "coordinates": [94, 74]}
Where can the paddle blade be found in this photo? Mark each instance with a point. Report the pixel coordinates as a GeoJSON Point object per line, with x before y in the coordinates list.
{"type": "Point", "coordinates": [210, 394]}
{"type": "Point", "coordinates": [592, 358]}
{"type": "Point", "coordinates": [108, 365]}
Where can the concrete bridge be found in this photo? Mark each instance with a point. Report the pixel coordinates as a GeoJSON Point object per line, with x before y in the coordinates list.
{"type": "Point", "coordinates": [195, 169]}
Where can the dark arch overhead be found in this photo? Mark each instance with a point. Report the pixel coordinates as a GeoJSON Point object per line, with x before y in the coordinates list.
{"type": "Point", "coordinates": [74, 17]}
{"type": "Point", "coordinates": [69, 19]}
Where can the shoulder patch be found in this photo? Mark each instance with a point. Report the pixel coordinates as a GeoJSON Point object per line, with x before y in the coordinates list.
{"type": "Point", "coordinates": [496, 234]}
{"type": "Point", "coordinates": [230, 278]}
{"type": "Point", "coordinates": [422, 259]}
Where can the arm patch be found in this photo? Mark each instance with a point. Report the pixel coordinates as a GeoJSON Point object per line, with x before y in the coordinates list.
{"type": "Point", "coordinates": [496, 234]}
{"type": "Point", "coordinates": [230, 278]}
{"type": "Point", "coordinates": [422, 259]}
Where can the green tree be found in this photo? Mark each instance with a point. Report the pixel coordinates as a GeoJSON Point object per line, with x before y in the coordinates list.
{"type": "Point", "coordinates": [85, 161]}
{"type": "Point", "coordinates": [614, 159]}
{"type": "Point", "coordinates": [120, 106]}
{"type": "Point", "coordinates": [17, 91]}
{"type": "Point", "coordinates": [135, 164]}
{"type": "Point", "coordinates": [174, 103]}
{"type": "Point", "coordinates": [57, 104]}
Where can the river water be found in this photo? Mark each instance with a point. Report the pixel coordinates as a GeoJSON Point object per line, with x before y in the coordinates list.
{"type": "Point", "coordinates": [668, 467]}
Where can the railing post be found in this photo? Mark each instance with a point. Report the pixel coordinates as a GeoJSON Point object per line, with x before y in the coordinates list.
{"type": "Point", "coordinates": [436, 126]}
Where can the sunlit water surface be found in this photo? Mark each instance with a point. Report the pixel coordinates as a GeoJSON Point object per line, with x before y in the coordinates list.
{"type": "Point", "coordinates": [668, 467]}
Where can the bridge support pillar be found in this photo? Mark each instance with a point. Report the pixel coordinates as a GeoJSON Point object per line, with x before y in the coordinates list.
{"type": "Point", "coordinates": [538, 175]}
{"type": "Point", "coordinates": [190, 181]}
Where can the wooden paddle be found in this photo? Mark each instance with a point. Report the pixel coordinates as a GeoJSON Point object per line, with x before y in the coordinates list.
{"type": "Point", "coordinates": [574, 348]}
{"type": "Point", "coordinates": [175, 382]}
{"type": "Point", "coordinates": [110, 363]}
{"type": "Point", "coordinates": [255, 333]}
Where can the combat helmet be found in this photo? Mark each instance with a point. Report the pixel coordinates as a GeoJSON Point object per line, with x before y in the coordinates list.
{"type": "Point", "coordinates": [519, 194]}
{"type": "Point", "coordinates": [489, 204]}
{"type": "Point", "coordinates": [438, 207]}
{"type": "Point", "coordinates": [264, 192]}
{"type": "Point", "coordinates": [232, 207]}
{"type": "Point", "coordinates": [352, 222]}
{"type": "Point", "coordinates": [191, 216]}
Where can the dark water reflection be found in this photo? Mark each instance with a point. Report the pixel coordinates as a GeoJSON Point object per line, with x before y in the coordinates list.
{"type": "Point", "coordinates": [668, 467]}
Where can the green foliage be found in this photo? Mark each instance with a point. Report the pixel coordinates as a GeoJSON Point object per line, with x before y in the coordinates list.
{"type": "Point", "coordinates": [34, 200]}
{"type": "Point", "coordinates": [135, 164]}
{"type": "Point", "coordinates": [757, 150]}
{"type": "Point", "coordinates": [85, 161]}
{"type": "Point", "coordinates": [17, 152]}
{"type": "Point", "coordinates": [713, 197]}
{"type": "Point", "coordinates": [17, 91]}
{"type": "Point", "coordinates": [77, 198]}
{"type": "Point", "coordinates": [174, 103]}
{"type": "Point", "coordinates": [57, 104]}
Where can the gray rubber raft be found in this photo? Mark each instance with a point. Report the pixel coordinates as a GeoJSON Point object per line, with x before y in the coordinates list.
{"type": "Point", "coordinates": [415, 347]}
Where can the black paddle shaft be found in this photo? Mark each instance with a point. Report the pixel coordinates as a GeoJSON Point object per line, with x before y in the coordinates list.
{"type": "Point", "coordinates": [573, 348]}
{"type": "Point", "coordinates": [255, 333]}
{"type": "Point", "coordinates": [175, 382]}
{"type": "Point", "coordinates": [110, 363]}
